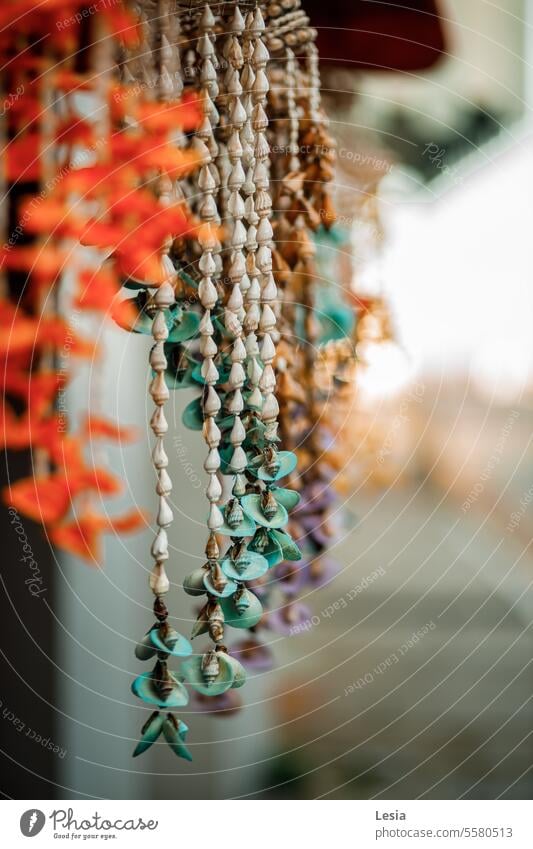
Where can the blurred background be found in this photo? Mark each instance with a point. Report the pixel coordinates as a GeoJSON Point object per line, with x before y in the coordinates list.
{"type": "Point", "coordinates": [413, 678]}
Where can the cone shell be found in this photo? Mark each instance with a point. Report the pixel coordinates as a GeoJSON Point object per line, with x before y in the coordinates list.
{"type": "Point", "coordinates": [185, 328]}
{"type": "Point", "coordinates": [252, 506]}
{"type": "Point", "coordinates": [239, 673]}
{"type": "Point", "coordinates": [288, 498]}
{"type": "Point", "coordinates": [256, 568]}
{"type": "Point", "coordinates": [272, 552]}
{"type": "Point", "coordinates": [287, 464]}
{"type": "Point", "coordinates": [144, 650]}
{"type": "Point", "coordinates": [289, 548]}
{"type": "Point", "coordinates": [192, 670]}
{"type": "Point", "coordinates": [174, 734]}
{"type": "Point", "coordinates": [199, 582]}
{"type": "Point", "coordinates": [143, 687]}
{"type": "Point", "coordinates": [246, 618]}
{"type": "Point", "coordinates": [166, 639]}
{"type": "Point", "coordinates": [149, 734]}
{"type": "Point", "coordinates": [245, 529]}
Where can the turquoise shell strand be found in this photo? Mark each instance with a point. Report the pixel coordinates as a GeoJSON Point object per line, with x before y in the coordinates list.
{"type": "Point", "coordinates": [161, 687]}
{"type": "Point", "coordinates": [213, 672]}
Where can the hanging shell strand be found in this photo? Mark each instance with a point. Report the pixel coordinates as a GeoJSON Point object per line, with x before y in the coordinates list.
{"type": "Point", "coordinates": [235, 303]}
{"type": "Point", "coordinates": [161, 687]}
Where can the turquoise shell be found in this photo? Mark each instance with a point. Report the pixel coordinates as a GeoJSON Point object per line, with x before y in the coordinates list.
{"type": "Point", "coordinates": [193, 584]}
{"type": "Point", "coordinates": [252, 406]}
{"type": "Point", "coordinates": [183, 729]}
{"type": "Point", "coordinates": [199, 582]}
{"type": "Point", "coordinates": [255, 434]}
{"type": "Point", "coordinates": [289, 498]}
{"type": "Point", "coordinates": [290, 550]}
{"type": "Point", "coordinates": [185, 328]}
{"type": "Point", "coordinates": [172, 643]}
{"type": "Point", "coordinates": [192, 670]}
{"type": "Point", "coordinates": [246, 619]}
{"type": "Point", "coordinates": [175, 738]}
{"type": "Point", "coordinates": [149, 734]}
{"type": "Point", "coordinates": [192, 416]}
{"type": "Point", "coordinates": [181, 325]}
{"type": "Point", "coordinates": [256, 568]}
{"type": "Point", "coordinates": [252, 506]}
{"type": "Point", "coordinates": [272, 553]}
{"type": "Point", "coordinates": [287, 464]}
{"type": "Point", "coordinates": [239, 673]}
{"type": "Point", "coordinates": [143, 688]}
{"type": "Point", "coordinates": [228, 590]}
{"type": "Point", "coordinates": [246, 528]}
{"type": "Point", "coordinates": [152, 643]}
{"type": "Point", "coordinates": [145, 649]}
{"type": "Point", "coordinates": [223, 371]}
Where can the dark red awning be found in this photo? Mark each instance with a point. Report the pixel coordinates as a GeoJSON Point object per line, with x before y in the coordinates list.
{"type": "Point", "coordinates": [386, 35]}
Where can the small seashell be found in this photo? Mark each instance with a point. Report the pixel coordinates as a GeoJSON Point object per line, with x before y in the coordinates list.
{"type": "Point", "coordinates": [240, 556]}
{"type": "Point", "coordinates": [149, 733]}
{"type": "Point", "coordinates": [289, 498]}
{"type": "Point", "coordinates": [212, 550]}
{"type": "Point", "coordinates": [210, 667]}
{"type": "Point", "coordinates": [174, 732]}
{"type": "Point", "coordinates": [214, 488]}
{"type": "Point", "coordinates": [193, 671]}
{"type": "Point", "coordinates": [216, 623]}
{"type": "Point", "coordinates": [289, 548]}
{"type": "Point", "coordinates": [245, 566]}
{"type": "Point", "coordinates": [158, 580]}
{"type": "Point", "coordinates": [212, 462]}
{"type": "Point", "coordinates": [201, 625]}
{"type": "Point", "coordinates": [217, 577]}
{"type": "Point", "coordinates": [166, 639]}
{"type": "Point", "coordinates": [247, 615]}
{"type": "Point", "coordinates": [245, 528]}
{"type": "Point", "coordinates": [158, 389]}
{"type": "Point", "coordinates": [271, 462]}
{"type": "Point", "coordinates": [269, 505]}
{"type": "Point", "coordinates": [228, 588]}
{"type": "Point", "coordinates": [261, 541]}
{"type": "Point", "coordinates": [271, 549]}
{"type": "Point", "coordinates": [215, 519]}
{"type": "Point", "coordinates": [270, 409]}
{"type": "Point", "coordinates": [160, 688]}
{"type": "Point", "coordinates": [159, 549]}
{"type": "Point", "coordinates": [260, 508]}
{"type": "Point", "coordinates": [145, 650]}
{"type": "Point", "coordinates": [193, 584]}
{"type": "Point", "coordinates": [239, 487]}
{"type": "Point", "coordinates": [234, 513]}
{"type": "Point", "coordinates": [165, 516]}
{"type": "Point", "coordinates": [286, 462]}
{"type": "Point", "coordinates": [239, 460]}
{"type": "Point", "coordinates": [239, 673]}
{"type": "Point", "coordinates": [242, 600]}
{"type": "Point", "coordinates": [160, 609]}
{"type": "Point", "coordinates": [158, 422]}
{"type": "Point", "coordinates": [164, 484]}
